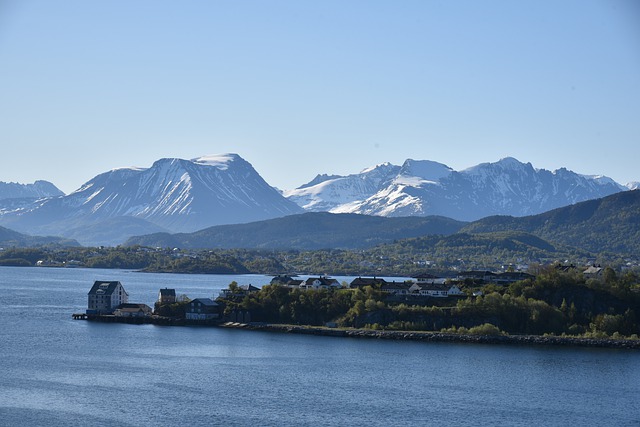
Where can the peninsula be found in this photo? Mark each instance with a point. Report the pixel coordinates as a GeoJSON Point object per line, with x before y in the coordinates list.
{"type": "Point", "coordinates": [561, 305]}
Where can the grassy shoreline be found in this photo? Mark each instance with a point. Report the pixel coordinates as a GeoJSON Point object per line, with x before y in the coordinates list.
{"type": "Point", "coordinates": [427, 336]}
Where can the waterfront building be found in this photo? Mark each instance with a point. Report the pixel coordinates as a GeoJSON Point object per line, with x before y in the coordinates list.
{"type": "Point", "coordinates": [132, 310]}
{"type": "Point", "coordinates": [166, 296]}
{"type": "Point", "coordinates": [104, 297]}
{"type": "Point", "coordinates": [202, 309]}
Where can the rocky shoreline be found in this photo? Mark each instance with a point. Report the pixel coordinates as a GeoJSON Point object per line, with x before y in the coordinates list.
{"type": "Point", "coordinates": [373, 334]}
{"type": "Point", "coordinates": [444, 337]}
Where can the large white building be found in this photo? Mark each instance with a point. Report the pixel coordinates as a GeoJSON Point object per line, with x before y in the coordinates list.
{"type": "Point", "coordinates": [104, 297]}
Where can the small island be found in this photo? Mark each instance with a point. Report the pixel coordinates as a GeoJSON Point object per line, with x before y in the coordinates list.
{"type": "Point", "coordinates": [561, 305]}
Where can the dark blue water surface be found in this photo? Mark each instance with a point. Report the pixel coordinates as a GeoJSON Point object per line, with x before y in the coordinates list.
{"type": "Point", "coordinates": [56, 371]}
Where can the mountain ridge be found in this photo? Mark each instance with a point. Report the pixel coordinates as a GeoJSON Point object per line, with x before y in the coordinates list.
{"type": "Point", "coordinates": [174, 194]}
{"type": "Point", "coordinates": [424, 187]}
{"type": "Point", "coordinates": [177, 195]}
{"type": "Point", "coordinates": [12, 238]}
{"type": "Point", "coordinates": [37, 190]}
{"type": "Point", "coordinates": [310, 230]}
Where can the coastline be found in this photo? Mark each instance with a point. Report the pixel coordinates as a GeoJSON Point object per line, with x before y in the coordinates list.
{"type": "Point", "coordinates": [423, 336]}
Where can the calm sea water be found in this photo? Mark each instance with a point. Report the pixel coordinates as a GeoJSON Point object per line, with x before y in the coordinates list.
{"type": "Point", "coordinates": [59, 372]}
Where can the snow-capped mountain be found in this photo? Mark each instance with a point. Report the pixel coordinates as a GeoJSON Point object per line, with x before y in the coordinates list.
{"type": "Point", "coordinates": [633, 185]}
{"type": "Point", "coordinates": [177, 195]}
{"type": "Point", "coordinates": [37, 190]}
{"type": "Point", "coordinates": [173, 194]}
{"type": "Point", "coordinates": [327, 192]}
{"type": "Point", "coordinates": [506, 187]}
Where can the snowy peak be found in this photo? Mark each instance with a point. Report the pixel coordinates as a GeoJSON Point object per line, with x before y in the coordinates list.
{"type": "Point", "coordinates": [603, 180]}
{"type": "Point", "coordinates": [426, 170]}
{"type": "Point", "coordinates": [423, 187]}
{"type": "Point", "coordinates": [633, 185]}
{"type": "Point", "coordinates": [37, 190]}
{"type": "Point", "coordinates": [220, 161]}
{"type": "Point", "coordinates": [328, 192]}
{"type": "Point", "coordinates": [175, 194]}
{"type": "Point", "coordinates": [505, 165]}
{"type": "Point", "coordinates": [319, 179]}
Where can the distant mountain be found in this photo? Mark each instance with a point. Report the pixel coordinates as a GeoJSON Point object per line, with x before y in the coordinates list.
{"type": "Point", "coordinates": [173, 194]}
{"type": "Point", "coordinates": [608, 224]}
{"type": "Point", "coordinates": [183, 196]}
{"type": "Point", "coordinates": [305, 232]}
{"type": "Point", "coordinates": [10, 238]}
{"type": "Point", "coordinates": [37, 190]}
{"type": "Point", "coordinates": [112, 231]}
{"type": "Point", "coordinates": [327, 192]}
{"type": "Point", "coordinates": [421, 187]}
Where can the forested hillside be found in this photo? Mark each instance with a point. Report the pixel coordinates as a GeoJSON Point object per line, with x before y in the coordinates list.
{"type": "Point", "coordinates": [307, 231]}
{"type": "Point", "coordinates": [611, 224]}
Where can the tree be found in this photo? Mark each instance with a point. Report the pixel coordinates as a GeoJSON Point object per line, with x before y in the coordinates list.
{"type": "Point", "coordinates": [233, 287]}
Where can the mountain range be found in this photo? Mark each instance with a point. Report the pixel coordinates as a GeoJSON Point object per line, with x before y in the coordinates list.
{"type": "Point", "coordinates": [184, 196]}
{"type": "Point", "coordinates": [422, 187]}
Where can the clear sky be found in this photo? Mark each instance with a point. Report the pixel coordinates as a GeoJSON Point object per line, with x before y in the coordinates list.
{"type": "Point", "coordinates": [304, 87]}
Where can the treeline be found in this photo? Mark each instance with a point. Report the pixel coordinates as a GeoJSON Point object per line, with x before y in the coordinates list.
{"type": "Point", "coordinates": [402, 258]}
{"type": "Point", "coordinates": [555, 303]}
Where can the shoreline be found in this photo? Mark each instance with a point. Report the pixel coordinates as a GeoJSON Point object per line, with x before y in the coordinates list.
{"type": "Point", "coordinates": [421, 336]}
{"type": "Point", "coordinates": [426, 336]}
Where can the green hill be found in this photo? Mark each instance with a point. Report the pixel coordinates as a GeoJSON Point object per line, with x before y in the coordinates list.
{"type": "Point", "coordinates": [481, 248]}
{"type": "Point", "coordinates": [316, 230]}
{"type": "Point", "coordinates": [10, 238]}
{"type": "Point", "coordinates": [610, 224]}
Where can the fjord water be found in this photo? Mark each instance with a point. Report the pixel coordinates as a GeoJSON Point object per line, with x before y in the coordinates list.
{"type": "Point", "coordinates": [56, 371]}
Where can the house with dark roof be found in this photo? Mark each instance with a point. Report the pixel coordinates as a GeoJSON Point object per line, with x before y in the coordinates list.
{"type": "Point", "coordinates": [239, 292]}
{"type": "Point", "coordinates": [428, 278]}
{"type": "Point", "coordinates": [281, 279]}
{"type": "Point", "coordinates": [104, 297]}
{"type": "Point", "coordinates": [166, 296]}
{"type": "Point", "coordinates": [361, 282]}
{"type": "Point", "coordinates": [509, 277]}
{"type": "Point", "coordinates": [248, 289]}
{"type": "Point", "coordinates": [202, 309]}
{"type": "Point", "coordinates": [593, 272]}
{"type": "Point", "coordinates": [477, 275]}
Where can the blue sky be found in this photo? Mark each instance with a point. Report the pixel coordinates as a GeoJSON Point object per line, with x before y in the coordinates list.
{"type": "Point", "coordinates": [305, 87]}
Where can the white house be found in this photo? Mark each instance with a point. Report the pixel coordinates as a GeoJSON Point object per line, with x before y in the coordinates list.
{"type": "Point", "coordinates": [320, 283]}
{"type": "Point", "coordinates": [104, 297]}
{"type": "Point", "coordinates": [395, 288]}
{"type": "Point", "coordinates": [436, 290]}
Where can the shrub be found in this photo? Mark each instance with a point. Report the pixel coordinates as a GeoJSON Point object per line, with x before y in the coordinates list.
{"type": "Point", "coordinates": [485, 329]}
